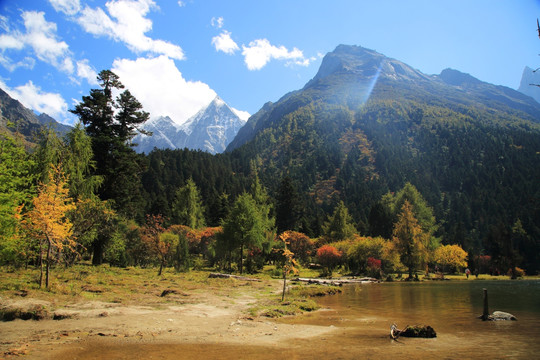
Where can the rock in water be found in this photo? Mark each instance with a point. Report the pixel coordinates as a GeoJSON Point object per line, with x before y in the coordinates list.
{"type": "Point", "coordinates": [501, 315]}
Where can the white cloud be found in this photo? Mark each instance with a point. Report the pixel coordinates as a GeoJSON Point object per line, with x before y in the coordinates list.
{"type": "Point", "coordinates": [27, 63]}
{"type": "Point", "coordinates": [127, 23]}
{"type": "Point", "coordinates": [160, 87]}
{"type": "Point", "coordinates": [41, 36]}
{"type": "Point", "coordinates": [181, 3]}
{"type": "Point", "coordinates": [68, 7]}
{"type": "Point", "coordinates": [34, 98]}
{"type": "Point", "coordinates": [225, 43]}
{"type": "Point", "coordinates": [260, 52]}
{"type": "Point", "coordinates": [85, 71]}
{"type": "Point", "coordinates": [217, 22]}
{"type": "Point", "coordinates": [243, 115]}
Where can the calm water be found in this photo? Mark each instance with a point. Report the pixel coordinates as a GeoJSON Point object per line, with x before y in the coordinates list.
{"type": "Point", "coordinates": [450, 307]}
{"type": "Point", "coordinates": [362, 315]}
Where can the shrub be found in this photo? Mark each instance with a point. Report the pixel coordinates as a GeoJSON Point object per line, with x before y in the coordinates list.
{"type": "Point", "coordinates": [329, 257]}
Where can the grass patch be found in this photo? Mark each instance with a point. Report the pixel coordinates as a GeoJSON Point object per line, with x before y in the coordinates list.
{"type": "Point", "coordinates": [297, 300]}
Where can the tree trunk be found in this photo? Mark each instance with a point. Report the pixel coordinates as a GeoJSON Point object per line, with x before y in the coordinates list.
{"type": "Point", "coordinates": [284, 284]}
{"type": "Point", "coordinates": [47, 269]}
{"type": "Point", "coordinates": [241, 265]}
{"type": "Point", "coordinates": [98, 245]}
{"type": "Point", "coordinates": [160, 268]}
{"type": "Point", "coordinates": [40, 265]}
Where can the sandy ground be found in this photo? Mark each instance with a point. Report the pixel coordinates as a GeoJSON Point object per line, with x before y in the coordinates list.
{"type": "Point", "coordinates": [90, 326]}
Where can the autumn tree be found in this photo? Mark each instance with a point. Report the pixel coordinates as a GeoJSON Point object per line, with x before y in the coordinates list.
{"type": "Point", "coordinates": [290, 264]}
{"type": "Point", "coordinates": [421, 211]}
{"type": "Point", "coordinates": [339, 225]}
{"type": "Point", "coordinates": [300, 244]}
{"type": "Point", "coordinates": [151, 235]}
{"type": "Point", "coordinates": [450, 257]}
{"type": "Point", "coordinates": [187, 207]}
{"type": "Point", "coordinates": [409, 239]}
{"type": "Point", "coordinates": [329, 257]}
{"type": "Point", "coordinates": [48, 222]}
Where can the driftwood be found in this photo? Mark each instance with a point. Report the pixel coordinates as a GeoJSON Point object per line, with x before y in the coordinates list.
{"type": "Point", "coordinates": [337, 282]}
{"type": "Point", "coordinates": [229, 276]}
{"type": "Point", "coordinates": [421, 331]}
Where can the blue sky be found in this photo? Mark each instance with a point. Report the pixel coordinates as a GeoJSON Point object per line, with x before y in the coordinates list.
{"type": "Point", "coordinates": [175, 56]}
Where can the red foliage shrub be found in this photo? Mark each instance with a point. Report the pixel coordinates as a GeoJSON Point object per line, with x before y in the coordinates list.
{"type": "Point", "coordinates": [329, 257]}
{"type": "Point", "coordinates": [373, 263]}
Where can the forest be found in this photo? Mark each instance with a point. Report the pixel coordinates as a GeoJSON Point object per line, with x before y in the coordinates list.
{"type": "Point", "coordinates": [383, 189]}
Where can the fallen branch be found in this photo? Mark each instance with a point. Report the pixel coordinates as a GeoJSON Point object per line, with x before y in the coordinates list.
{"type": "Point", "coordinates": [337, 282]}
{"type": "Point", "coordinates": [230, 276]}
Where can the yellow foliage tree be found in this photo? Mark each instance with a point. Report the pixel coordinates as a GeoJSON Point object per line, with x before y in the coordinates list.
{"type": "Point", "coordinates": [450, 256]}
{"type": "Point", "coordinates": [48, 223]}
{"type": "Point", "coordinates": [410, 241]}
{"type": "Point", "coordinates": [290, 263]}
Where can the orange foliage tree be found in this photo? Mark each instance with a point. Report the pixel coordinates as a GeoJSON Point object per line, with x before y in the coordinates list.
{"type": "Point", "coordinates": [329, 257]}
{"type": "Point", "coordinates": [151, 236]}
{"type": "Point", "coordinates": [48, 223]}
{"type": "Point", "coordinates": [300, 244]}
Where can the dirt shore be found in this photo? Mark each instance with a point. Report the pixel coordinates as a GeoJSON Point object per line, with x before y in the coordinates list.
{"type": "Point", "coordinates": [87, 328]}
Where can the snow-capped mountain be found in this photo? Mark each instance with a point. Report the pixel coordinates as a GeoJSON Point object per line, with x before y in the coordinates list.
{"type": "Point", "coordinates": [211, 130]}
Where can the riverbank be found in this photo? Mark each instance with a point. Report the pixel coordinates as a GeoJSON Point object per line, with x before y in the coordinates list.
{"type": "Point", "coordinates": [87, 305]}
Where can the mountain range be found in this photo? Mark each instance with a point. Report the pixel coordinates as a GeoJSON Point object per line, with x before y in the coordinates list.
{"type": "Point", "coordinates": [211, 130]}
{"type": "Point", "coordinates": [14, 116]}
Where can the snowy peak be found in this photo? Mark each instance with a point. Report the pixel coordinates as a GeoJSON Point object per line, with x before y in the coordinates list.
{"type": "Point", "coordinates": [529, 83]}
{"type": "Point", "coordinates": [211, 129]}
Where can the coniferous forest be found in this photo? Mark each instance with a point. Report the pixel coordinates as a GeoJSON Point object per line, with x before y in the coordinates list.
{"type": "Point", "coordinates": [407, 181]}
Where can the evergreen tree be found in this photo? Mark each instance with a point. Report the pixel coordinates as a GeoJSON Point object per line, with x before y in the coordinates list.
{"type": "Point", "coordinates": [187, 206]}
{"type": "Point", "coordinates": [80, 164]}
{"type": "Point", "coordinates": [409, 239]}
{"type": "Point", "coordinates": [244, 227]}
{"type": "Point", "coordinates": [287, 207]}
{"type": "Point", "coordinates": [339, 225]}
{"type": "Point", "coordinates": [16, 189]}
{"type": "Point", "coordinates": [420, 208]}
{"type": "Point", "coordinates": [111, 124]}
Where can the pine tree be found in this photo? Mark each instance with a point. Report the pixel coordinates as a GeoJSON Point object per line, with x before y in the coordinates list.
{"type": "Point", "coordinates": [187, 207]}
{"type": "Point", "coordinates": [409, 239]}
{"type": "Point", "coordinates": [339, 225]}
{"type": "Point", "coordinates": [111, 124]}
{"type": "Point", "coordinates": [244, 226]}
{"type": "Point", "coordinates": [287, 207]}
{"type": "Point", "coordinates": [16, 190]}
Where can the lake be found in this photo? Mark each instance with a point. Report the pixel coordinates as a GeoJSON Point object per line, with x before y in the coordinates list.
{"type": "Point", "coordinates": [366, 312]}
